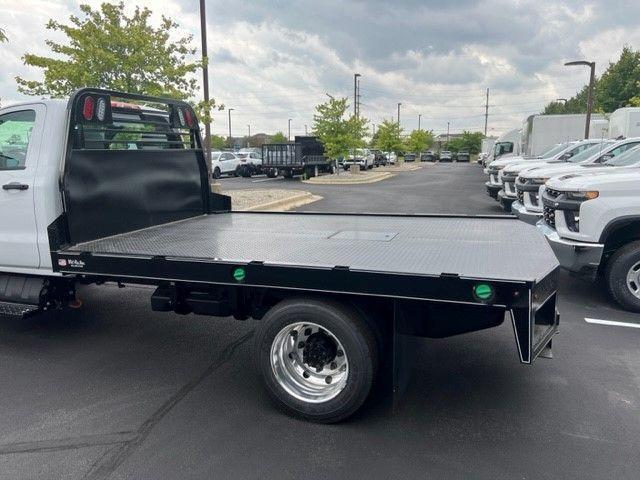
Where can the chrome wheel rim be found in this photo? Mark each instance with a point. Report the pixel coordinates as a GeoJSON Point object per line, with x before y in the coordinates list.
{"type": "Point", "coordinates": [309, 362]}
{"type": "Point", "coordinates": [633, 280]}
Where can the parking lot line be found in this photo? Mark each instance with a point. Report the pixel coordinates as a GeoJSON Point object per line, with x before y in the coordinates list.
{"type": "Point", "coordinates": [612, 323]}
{"type": "Point", "coordinates": [265, 180]}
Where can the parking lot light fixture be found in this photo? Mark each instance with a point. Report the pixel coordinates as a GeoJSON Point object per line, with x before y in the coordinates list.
{"type": "Point", "coordinates": [592, 78]}
{"type": "Point", "coordinates": [289, 137]}
{"type": "Point", "coordinates": [230, 140]}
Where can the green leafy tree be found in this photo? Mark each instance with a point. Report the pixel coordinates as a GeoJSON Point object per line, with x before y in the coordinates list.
{"type": "Point", "coordinates": [279, 137]}
{"type": "Point", "coordinates": [419, 140]}
{"type": "Point", "coordinates": [358, 128]}
{"type": "Point", "coordinates": [617, 87]}
{"type": "Point", "coordinates": [469, 141]}
{"type": "Point", "coordinates": [218, 142]}
{"type": "Point", "coordinates": [106, 48]}
{"type": "Point", "coordinates": [332, 128]}
{"type": "Point", "coordinates": [389, 136]}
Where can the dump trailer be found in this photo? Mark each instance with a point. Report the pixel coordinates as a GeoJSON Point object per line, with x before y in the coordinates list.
{"type": "Point", "coordinates": [305, 156]}
{"type": "Point", "coordinates": [335, 295]}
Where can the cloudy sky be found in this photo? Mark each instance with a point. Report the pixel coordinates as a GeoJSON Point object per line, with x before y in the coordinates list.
{"type": "Point", "coordinates": [272, 60]}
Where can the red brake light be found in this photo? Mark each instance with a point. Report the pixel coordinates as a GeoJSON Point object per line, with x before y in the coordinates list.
{"type": "Point", "coordinates": [88, 108]}
{"type": "Point", "coordinates": [188, 117]}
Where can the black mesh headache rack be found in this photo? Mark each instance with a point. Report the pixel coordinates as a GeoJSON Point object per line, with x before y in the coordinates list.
{"type": "Point", "coordinates": [147, 215]}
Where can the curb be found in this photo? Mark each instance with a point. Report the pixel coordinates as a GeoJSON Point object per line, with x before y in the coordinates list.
{"type": "Point", "coordinates": [286, 203]}
{"type": "Point", "coordinates": [353, 181]}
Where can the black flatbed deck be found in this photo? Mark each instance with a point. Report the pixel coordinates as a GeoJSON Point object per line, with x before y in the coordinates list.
{"type": "Point", "coordinates": [397, 247]}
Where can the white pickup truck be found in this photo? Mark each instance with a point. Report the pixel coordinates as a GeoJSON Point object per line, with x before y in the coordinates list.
{"type": "Point", "coordinates": [529, 184]}
{"type": "Point", "coordinates": [592, 222]}
{"type": "Point", "coordinates": [113, 187]}
{"type": "Point", "coordinates": [507, 176]}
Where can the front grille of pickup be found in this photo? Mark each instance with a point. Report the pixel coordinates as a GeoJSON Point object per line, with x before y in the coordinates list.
{"type": "Point", "coordinates": [549, 215]}
{"type": "Point", "coordinates": [520, 194]}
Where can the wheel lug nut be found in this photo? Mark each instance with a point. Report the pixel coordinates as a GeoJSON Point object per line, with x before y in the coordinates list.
{"type": "Point", "coordinates": [301, 345]}
{"type": "Point", "coordinates": [328, 379]}
{"type": "Point", "coordinates": [307, 331]}
{"type": "Point", "coordinates": [334, 365]}
{"type": "Point", "coordinates": [290, 356]}
{"type": "Point", "coordinates": [339, 353]}
{"type": "Point", "coordinates": [305, 374]}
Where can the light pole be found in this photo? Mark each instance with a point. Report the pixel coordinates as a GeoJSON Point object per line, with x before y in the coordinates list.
{"type": "Point", "coordinates": [419, 118]}
{"type": "Point", "coordinates": [230, 126]}
{"type": "Point", "coordinates": [399, 114]}
{"type": "Point", "coordinates": [355, 93]}
{"type": "Point", "coordinates": [205, 82]}
{"type": "Point", "coordinates": [249, 137]}
{"type": "Point", "coordinates": [305, 130]}
{"type": "Point", "coordinates": [592, 78]}
{"type": "Point", "coordinates": [447, 134]}
{"type": "Point", "coordinates": [289, 130]}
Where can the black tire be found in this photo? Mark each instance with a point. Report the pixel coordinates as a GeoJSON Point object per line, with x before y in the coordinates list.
{"type": "Point", "coordinates": [216, 172]}
{"type": "Point", "coordinates": [615, 275]}
{"type": "Point", "coordinates": [287, 174]}
{"type": "Point", "coordinates": [272, 173]}
{"type": "Point", "coordinates": [353, 332]}
{"type": "Point", "coordinates": [246, 172]}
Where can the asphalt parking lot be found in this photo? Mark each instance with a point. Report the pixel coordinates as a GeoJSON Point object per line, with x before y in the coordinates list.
{"type": "Point", "coordinates": [116, 391]}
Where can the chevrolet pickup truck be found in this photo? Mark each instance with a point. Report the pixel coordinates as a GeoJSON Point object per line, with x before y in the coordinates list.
{"type": "Point", "coordinates": [113, 187]}
{"type": "Point", "coordinates": [614, 153]}
{"type": "Point", "coordinates": [509, 174]}
{"type": "Point", "coordinates": [592, 222]}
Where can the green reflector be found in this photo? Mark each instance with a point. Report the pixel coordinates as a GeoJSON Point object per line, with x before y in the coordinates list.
{"type": "Point", "coordinates": [239, 274]}
{"type": "Point", "coordinates": [483, 291]}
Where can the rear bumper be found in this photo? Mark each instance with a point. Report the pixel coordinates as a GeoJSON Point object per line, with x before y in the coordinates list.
{"type": "Point", "coordinates": [492, 190]}
{"type": "Point", "coordinates": [525, 215]}
{"type": "Point", "coordinates": [578, 257]}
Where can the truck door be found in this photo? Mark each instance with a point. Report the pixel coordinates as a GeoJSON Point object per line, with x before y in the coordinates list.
{"type": "Point", "coordinates": [20, 134]}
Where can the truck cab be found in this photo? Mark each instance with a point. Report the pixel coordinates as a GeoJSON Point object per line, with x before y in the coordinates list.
{"type": "Point", "coordinates": [592, 222]}
{"type": "Point", "coordinates": [610, 153]}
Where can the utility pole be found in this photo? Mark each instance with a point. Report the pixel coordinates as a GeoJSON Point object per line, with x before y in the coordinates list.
{"type": "Point", "coordinates": [419, 118]}
{"type": "Point", "coordinates": [205, 82]}
{"type": "Point", "coordinates": [399, 114]}
{"type": "Point", "coordinates": [289, 137]}
{"type": "Point", "coordinates": [592, 79]}
{"type": "Point", "coordinates": [230, 139]}
{"type": "Point", "coordinates": [486, 113]}
{"type": "Point", "coordinates": [447, 133]}
{"type": "Point", "coordinates": [355, 93]}
{"type": "Point", "coordinates": [249, 137]}
{"type": "Point", "coordinates": [305, 130]}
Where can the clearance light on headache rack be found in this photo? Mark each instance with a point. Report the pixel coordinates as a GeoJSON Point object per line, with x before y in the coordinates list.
{"type": "Point", "coordinates": [88, 108]}
{"type": "Point", "coordinates": [94, 108]}
{"type": "Point", "coordinates": [483, 292]}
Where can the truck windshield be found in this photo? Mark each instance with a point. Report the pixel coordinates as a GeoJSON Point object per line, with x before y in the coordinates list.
{"type": "Point", "coordinates": [551, 151]}
{"type": "Point", "coordinates": [625, 159]}
{"type": "Point", "coordinates": [586, 154]}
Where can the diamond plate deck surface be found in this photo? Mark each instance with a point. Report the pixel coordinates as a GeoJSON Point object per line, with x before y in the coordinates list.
{"type": "Point", "coordinates": [500, 249]}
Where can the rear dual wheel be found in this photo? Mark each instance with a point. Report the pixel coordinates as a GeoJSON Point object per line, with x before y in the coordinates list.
{"type": "Point", "coordinates": [317, 358]}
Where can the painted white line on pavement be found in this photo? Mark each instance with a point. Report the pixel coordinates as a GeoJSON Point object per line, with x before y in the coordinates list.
{"type": "Point", "coordinates": [612, 323]}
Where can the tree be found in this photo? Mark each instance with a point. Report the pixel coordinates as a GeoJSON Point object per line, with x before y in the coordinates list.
{"type": "Point", "coordinates": [389, 136]}
{"type": "Point", "coordinates": [617, 87]}
{"type": "Point", "coordinates": [419, 140]}
{"type": "Point", "coordinates": [331, 127]}
{"type": "Point", "coordinates": [108, 49]}
{"type": "Point", "coordinates": [218, 142]}
{"type": "Point", "coordinates": [468, 141]}
{"type": "Point", "coordinates": [279, 137]}
{"type": "Point", "coordinates": [3, 36]}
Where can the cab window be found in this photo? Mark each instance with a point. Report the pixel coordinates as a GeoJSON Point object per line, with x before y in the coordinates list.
{"type": "Point", "coordinates": [15, 132]}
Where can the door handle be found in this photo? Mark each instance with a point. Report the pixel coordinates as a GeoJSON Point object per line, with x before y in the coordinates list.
{"type": "Point", "coordinates": [15, 186]}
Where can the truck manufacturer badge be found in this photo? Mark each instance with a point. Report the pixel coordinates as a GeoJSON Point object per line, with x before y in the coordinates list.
{"type": "Point", "coordinates": [62, 262]}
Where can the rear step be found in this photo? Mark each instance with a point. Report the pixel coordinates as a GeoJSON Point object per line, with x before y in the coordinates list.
{"type": "Point", "coordinates": [23, 295]}
{"type": "Point", "coordinates": [20, 310]}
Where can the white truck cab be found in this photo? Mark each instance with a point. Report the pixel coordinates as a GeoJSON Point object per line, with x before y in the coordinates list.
{"type": "Point", "coordinates": [557, 155]}
{"type": "Point", "coordinates": [592, 223]}
{"type": "Point", "coordinates": [610, 153]}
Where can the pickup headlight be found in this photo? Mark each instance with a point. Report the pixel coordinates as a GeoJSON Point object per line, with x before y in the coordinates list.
{"type": "Point", "coordinates": [586, 195]}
